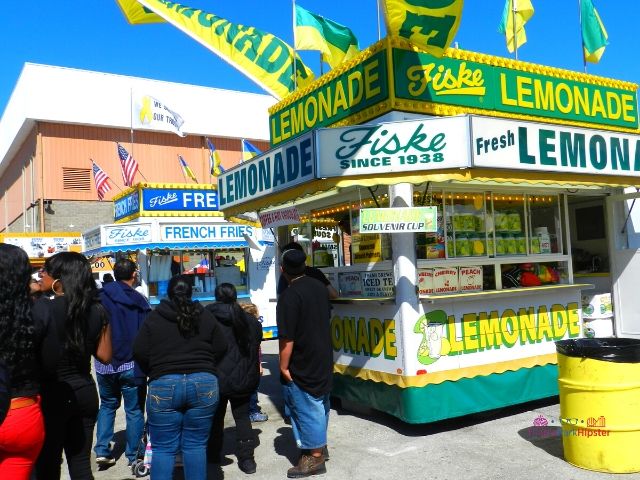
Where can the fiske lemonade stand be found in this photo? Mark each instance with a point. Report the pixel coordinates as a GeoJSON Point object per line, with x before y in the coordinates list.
{"type": "Point", "coordinates": [177, 228]}
{"type": "Point", "coordinates": [447, 206]}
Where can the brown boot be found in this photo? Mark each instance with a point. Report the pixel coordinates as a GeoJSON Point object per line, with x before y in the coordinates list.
{"type": "Point", "coordinates": [307, 465]}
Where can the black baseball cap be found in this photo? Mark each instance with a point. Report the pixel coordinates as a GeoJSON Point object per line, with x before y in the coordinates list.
{"type": "Point", "coordinates": [293, 261]}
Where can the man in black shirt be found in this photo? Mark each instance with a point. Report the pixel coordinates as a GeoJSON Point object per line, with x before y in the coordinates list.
{"type": "Point", "coordinates": [312, 272]}
{"type": "Point", "coordinates": [306, 361]}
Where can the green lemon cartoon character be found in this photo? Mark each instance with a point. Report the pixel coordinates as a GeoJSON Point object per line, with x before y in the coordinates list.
{"type": "Point", "coordinates": [434, 344]}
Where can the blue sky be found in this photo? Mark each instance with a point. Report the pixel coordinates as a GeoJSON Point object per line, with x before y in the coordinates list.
{"type": "Point", "coordinates": [94, 35]}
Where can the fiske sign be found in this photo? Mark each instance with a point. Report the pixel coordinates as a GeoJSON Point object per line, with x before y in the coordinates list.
{"type": "Point", "coordinates": [538, 147]}
{"type": "Point", "coordinates": [179, 199]}
{"type": "Point", "coordinates": [416, 145]}
{"type": "Point", "coordinates": [276, 170]}
{"type": "Point", "coordinates": [419, 76]}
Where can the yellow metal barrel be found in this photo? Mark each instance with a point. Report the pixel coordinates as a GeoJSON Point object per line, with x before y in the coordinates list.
{"type": "Point", "coordinates": [599, 385]}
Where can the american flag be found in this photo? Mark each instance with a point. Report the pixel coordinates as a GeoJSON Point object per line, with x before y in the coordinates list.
{"type": "Point", "coordinates": [101, 179]}
{"type": "Point", "coordinates": [128, 165]}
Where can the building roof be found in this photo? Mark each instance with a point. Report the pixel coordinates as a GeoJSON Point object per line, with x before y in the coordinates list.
{"type": "Point", "coordinates": [82, 97]}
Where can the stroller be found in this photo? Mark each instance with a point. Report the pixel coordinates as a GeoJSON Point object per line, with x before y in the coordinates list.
{"type": "Point", "coordinates": [141, 467]}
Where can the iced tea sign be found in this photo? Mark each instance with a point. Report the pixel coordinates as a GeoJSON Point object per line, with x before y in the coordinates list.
{"type": "Point", "coordinates": [398, 220]}
{"type": "Point", "coordinates": [377, 284]}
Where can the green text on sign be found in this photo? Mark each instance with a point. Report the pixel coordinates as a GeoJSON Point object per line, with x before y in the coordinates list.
{"type": "Point", "coordinates": [419, 76]}
{"type": "Point", "coordinates": [356, 89]}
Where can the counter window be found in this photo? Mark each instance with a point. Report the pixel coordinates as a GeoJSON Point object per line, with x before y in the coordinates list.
{"type": "Point", "coordinates": [331, 236]}
{"type": "Point", "coordinates": [207, 268]}
{"type": "Point", "coordinates": [509, 224]}
{"type": "Point", "coordinates": [544, 217]}
{"type": "Point", "coordinates": [486, 224]}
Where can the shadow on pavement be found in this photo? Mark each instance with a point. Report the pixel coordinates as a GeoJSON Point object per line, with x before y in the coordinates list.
{"type": "Point", "coordinates": [119, 444]}
{"type": "Point", "coordinates": [285, 445]}
{"type": "Point", "coordinates": [419, 430]}
{"type": "Point", "coordinates": [547, 438]}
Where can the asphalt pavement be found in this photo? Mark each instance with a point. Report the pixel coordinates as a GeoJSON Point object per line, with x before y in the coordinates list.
{"type": "Point", "coordinates": [369, 445]}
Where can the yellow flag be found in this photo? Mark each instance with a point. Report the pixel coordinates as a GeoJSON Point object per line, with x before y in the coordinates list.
{"type": "Point", "coordinates": [429, 25]}
{"type": "Point", "coordinates": [523, 12]}
{"type": "Point", "coordinates": [137, 14]}
{"type": "Point", "coordinates": [261, 56]}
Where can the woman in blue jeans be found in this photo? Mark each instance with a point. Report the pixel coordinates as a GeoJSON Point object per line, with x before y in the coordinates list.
{"type": "Point", "coordinates": [178, 348]}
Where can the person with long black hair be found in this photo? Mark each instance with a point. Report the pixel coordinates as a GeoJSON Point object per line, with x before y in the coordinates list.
{"type": "Point", "coordinates": [22, 431]}
{"type": "Point", "coordinates": [178, 347]}
{"type": "Point", "coordinates": [239, 375]}
{"type": "Point", "coordinates": [75, 327]}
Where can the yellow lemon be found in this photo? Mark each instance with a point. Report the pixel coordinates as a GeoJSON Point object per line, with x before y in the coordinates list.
{"type": "Point", "coordinates": [478, 247]}
{"type": "Point", "coordinates": [445, 349]}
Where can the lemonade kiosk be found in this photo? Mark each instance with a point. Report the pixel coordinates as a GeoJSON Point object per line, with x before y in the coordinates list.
{"type": "Point", "coordinates": [451, 185]}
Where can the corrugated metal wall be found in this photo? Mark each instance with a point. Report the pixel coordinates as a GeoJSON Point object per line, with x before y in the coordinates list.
{"type": "Point", "coordinates": [66, 152]}
{"type": "Point", "coordinates": [71, 146]}
{"type": "Point", "coordinates": [18, 185]}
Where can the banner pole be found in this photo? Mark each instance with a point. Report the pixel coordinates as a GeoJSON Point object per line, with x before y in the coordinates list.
{"type": "Point", "coordinates": [295, 60]}
{"type": "Point", "coordinates": [131, 119]}
{"type": "Point", "coordinates": [378, 13]}
{"type": "Point", "coordinates": [584, 57]}
{"type": "Point", "coordinates": [515, 31]}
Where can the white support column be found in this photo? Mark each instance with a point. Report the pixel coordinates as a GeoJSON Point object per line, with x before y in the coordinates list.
{"type": "Point", "coordinates": [404, 255]}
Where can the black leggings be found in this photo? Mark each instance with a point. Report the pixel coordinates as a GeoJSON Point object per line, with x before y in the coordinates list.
{"type": "Point", "coordinates": [244, 432]}
{"type": "Point", "coordinates": [69, 419]}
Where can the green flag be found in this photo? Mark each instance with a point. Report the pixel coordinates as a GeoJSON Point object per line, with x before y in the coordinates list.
{"type": "Point", "coordinates": [594, 36]}
{"type": "Point", "coordinates": [336, 42]}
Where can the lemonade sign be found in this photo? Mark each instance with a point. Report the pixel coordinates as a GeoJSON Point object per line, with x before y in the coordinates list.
{"type": "Point", "coordinates": [444, 335]}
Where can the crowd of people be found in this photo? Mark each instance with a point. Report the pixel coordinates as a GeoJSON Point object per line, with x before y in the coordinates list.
{"type": "Point", "coordinates": [181, 362]}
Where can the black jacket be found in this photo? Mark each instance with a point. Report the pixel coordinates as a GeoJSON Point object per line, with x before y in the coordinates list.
{"type": "Point", "coordinates": [160, 349]}
{"type": "Point", "coordinates": [238, 374]}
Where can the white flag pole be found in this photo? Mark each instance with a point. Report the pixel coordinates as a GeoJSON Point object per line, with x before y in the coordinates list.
{"type": "Point", "coordinates": [131, 119]}
{"type": "Point", "coordinates": [584, 57]}
{"type": "Point", "coordinates": [515, 31]}
{"type": "Point", "coordinates": [378, 12]}
{"type": "Point", "coordinates": [295, 66]}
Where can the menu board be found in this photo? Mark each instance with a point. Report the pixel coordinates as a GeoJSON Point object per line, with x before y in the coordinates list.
{"type": "Point", "coordinates": [425, 281]}
{"type": "Point", "coordinates": [470, 279]}
{"type": "Point", "coordinates": [350, 284]}
{"type": "Point", "coordinates": [377, 284]}
{"type": "Point", "coordinates": [44, 246]}
{"type": "Point", "coordinates": [366, 284]}
{"type": "Point", "coordinates": [445, 280]}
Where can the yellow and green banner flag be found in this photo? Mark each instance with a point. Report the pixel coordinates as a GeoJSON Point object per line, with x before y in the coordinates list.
{"type": "Point", "coordinates": [594, 36]}
{"type": "Point", "coordinates": [428, 24]}
{"type": "Point", "coordinates": [186, 169]}
{"type": "Point", "coordinates": [249, 150]}
{"type": "Point", "coordinates": [215, 162]}
{"type": "Point", "coordinates": [336, 42]}
{"type": "Point", "coordinates": [523, 12]}
{"type": "Point", "coordinates": [261, 56]}
{"type": "Point", "coordinates": [137, 14]}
